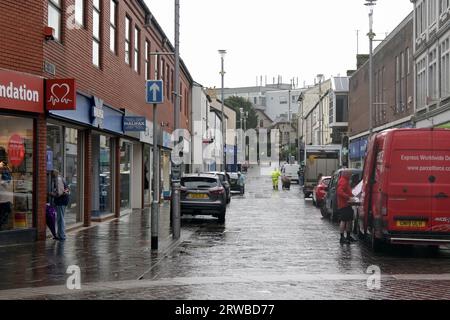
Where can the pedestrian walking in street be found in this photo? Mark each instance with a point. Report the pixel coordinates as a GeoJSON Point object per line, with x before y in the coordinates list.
{"type": "Point", "coordinates": [275, 176]}
{"type": "Point", "coordinates": [345, 211]}
{"type": "Point", "coordinates": [60, 195]}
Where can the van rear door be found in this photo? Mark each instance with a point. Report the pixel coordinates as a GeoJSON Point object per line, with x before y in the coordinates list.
{"type": "Point", "coordinates": [441, 177]}
{"type": "Point", "coordinates": [409, 192]}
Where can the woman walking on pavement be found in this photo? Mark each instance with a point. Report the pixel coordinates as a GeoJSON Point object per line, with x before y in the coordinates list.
{"type": "Point", "coordinates": [61, 200]}
{"type": "Point", "coordinates": [345, 211]}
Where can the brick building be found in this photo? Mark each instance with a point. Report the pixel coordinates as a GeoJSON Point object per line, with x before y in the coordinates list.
{"type": "Point", "coordinates": [432, 63]}
{"type": "Point", "coordinates": [393, 90]}
{"type": "Point", "coordinates": [105, 46]}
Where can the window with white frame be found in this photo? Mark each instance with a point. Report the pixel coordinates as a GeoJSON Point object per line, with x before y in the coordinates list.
{"type": "Point", "coordinates": [421, 82]}
{"type": "Point", "coordinates": [445, 67]}
{"type": "Point", "coordinates": [136, 49]}
{"type": "Point", "coordinates": [408, 61]}
{"type": "Point", "coordinates": [432, 76]}
{"type": "Point", "coordinates": [127, 40]}
{"type": "Point", "coordinates": [420, 19]}
{"type": "Point", "coordinates": [54, 17]}
{"type": "Point", "coordinates": [402, 82]}
{"type": "Point", "coordinates": [96, 33]}
{"type": "Point", "coordinates": [147, 60]}
{"type": "Point", "coordinates": [398, 87]}
{"type": "Point", "coordinates": [112, 25]}
{"type": "Point", "coordinates": [432, 12]}
{"type": "Point", "coordinates": [79, 12]}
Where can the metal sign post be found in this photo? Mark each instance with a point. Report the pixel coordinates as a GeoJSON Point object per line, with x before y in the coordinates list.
{"type": "Point", "coordinates": [154, 93]}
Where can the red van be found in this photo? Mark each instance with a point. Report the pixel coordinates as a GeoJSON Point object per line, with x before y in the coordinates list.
{"type": "Point", "coordinates": [405, 195]}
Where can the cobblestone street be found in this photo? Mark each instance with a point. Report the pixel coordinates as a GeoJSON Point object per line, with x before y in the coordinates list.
{"type": "Point", "coordinates": [274, 245]}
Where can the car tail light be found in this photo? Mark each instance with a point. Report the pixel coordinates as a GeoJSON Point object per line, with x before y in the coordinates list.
{"type": "Point", "coordinates": [217, 191]}
{"type": "Point", "coordinates": [384, 204]}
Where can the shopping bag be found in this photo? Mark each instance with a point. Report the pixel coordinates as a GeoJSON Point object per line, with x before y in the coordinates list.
{"type": "Point", "coordinates": [50, 218]}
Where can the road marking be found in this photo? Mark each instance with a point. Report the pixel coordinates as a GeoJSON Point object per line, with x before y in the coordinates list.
{"type": "Point", "coordinates": [27, 293]}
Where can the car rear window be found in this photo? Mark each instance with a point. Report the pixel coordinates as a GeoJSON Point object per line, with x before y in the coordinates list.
{"type": "Point", "coordinates": [326, 181]}
{"type": "Point", "coordinates": [199, 183]}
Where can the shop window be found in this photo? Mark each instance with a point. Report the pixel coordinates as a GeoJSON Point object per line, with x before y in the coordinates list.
{"type": "Point", "coordinates": [63, 152]}
{"type": "Point", "coordinates": [125, 174]}
{"type": "Point", "coordinates": [102, 175]}
{"type": "Point", "coordinates": [16, 173]}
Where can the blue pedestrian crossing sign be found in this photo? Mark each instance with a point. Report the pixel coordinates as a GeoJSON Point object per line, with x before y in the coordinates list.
{"type": "Point", "coordinates": [155, 92]}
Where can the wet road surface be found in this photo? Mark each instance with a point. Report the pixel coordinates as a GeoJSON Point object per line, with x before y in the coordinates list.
{"type": "Point", "coordinates": [273, 245]}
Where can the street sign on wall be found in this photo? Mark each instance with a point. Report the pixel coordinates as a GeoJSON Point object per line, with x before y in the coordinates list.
{"type": "Point", "coordinates": [154, 92]}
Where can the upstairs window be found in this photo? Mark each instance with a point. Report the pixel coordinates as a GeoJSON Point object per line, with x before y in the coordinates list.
{"type": "Point", "coordinates": [136, 49]}
{"type": "Point", "coordinates": [96, 33]}
{"type": "Point", "coordinates": [113, 26]}
{"type": "Point", "coordinates": [147, 60]}
{"type": "Point", "coordinates": [79, 12]}
{"type": "Point", "coordinates": [127, 40]}
{"type": "Point", "coordinates": [54, 17]}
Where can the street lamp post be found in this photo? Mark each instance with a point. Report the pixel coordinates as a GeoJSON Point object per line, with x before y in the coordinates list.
{"type": "Point", "coordinates": [224, 138]}
{"type": "Point", "coordinates": [370, 4]}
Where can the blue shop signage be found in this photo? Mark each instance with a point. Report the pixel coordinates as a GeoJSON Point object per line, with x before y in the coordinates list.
{"type": "Point", "coordinates": [93, 112]}
{"type": "Point", "coordinates": [135, 124]}
{"type": "Point", "coordinates": [97, 113]}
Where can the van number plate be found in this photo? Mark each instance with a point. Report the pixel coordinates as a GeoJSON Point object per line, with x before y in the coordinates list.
{"type": "Point", "coordinates": [411, 224]}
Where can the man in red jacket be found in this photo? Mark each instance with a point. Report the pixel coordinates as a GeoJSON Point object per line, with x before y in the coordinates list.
{"type": "Point", "coordinates": [345, 211]}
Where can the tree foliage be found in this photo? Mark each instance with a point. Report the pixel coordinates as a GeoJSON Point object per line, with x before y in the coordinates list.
{"type": "Point", "coordinates": [236, 103]}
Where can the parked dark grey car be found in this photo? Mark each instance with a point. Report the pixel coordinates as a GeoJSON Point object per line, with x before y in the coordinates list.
{"type": "Point", "coordinates": [203, 194]}
{"type": "Point", "coordinates": [329, 207]}
{"type": "Point", "coordinates": [225, 180]}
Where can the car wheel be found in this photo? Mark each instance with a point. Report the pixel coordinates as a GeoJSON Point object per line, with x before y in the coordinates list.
{"type": "Point", "coordinates": [222, 216]}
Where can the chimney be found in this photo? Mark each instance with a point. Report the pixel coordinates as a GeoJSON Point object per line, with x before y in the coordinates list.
{"type": "Point", "coordinates": [361, 59]}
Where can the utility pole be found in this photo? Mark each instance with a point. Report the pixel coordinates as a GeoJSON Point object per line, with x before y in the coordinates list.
{"type": "Point", "coordinates": [176, 169]}
{"type": "Point", "coordinates": [224, 137]}
{"type": "Point", "coordinates": [371, 35]}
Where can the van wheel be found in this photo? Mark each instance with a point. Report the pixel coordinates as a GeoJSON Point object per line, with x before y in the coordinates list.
{"type": "Point", "coordinates": [375, 243]}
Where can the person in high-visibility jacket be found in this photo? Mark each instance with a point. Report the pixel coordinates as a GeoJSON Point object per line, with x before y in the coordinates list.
{"type": "Point", "coordinates": [275, 176]}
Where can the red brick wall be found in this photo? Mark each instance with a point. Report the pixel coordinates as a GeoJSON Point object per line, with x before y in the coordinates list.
{"type": "Point", "coordinates": [21, 35]}
{"type": "Point", "coordinates": [115, 82]}
{"type": "Point", "coordinates": [41, 176]}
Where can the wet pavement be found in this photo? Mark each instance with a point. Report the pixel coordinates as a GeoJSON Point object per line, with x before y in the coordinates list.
{"type": "Point", "coordinates": [274, 245]}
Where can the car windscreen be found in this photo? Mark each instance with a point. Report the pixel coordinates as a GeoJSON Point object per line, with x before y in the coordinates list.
{"type": "Point", "coordinates": [199, 182]}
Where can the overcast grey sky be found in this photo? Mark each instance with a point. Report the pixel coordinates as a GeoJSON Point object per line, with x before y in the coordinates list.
{"type": "Point", "coordinates": [291, 38]}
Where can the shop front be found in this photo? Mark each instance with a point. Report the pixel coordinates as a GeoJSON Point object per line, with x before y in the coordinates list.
{"type": "Point", "coordinates": [85, 145]}
{"type": "Point", "coordinates": [21, 112]}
